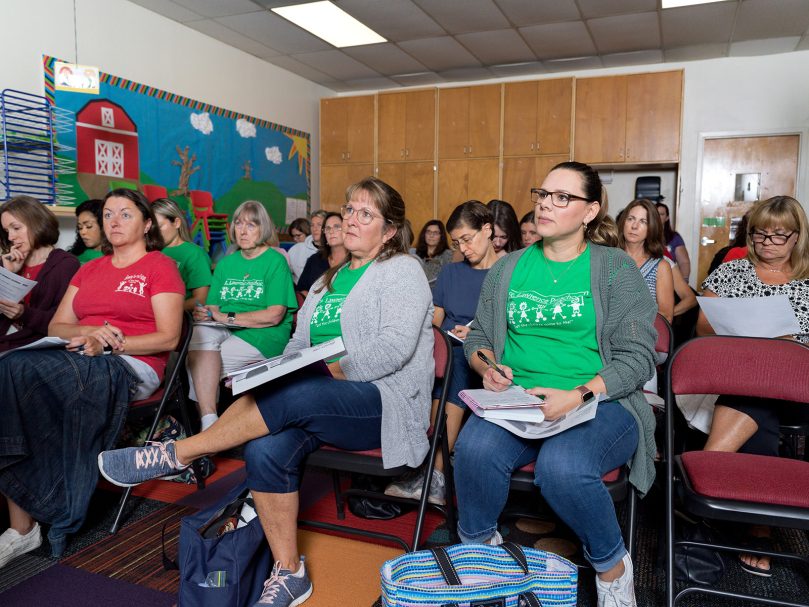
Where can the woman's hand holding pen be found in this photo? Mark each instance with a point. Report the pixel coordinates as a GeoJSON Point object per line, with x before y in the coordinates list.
{"type": "Point", "coordinates": [557, 402]}
{"type": "Point", "coordinates": [460, 331]}
{"type": "Point", "coordinates": [202, 313]}
{"type": "Point", "coordinates": [14, 260]}
{"type": "Point", "coordinates": [110, 336]}
{"type": "Point", "coordinates": [496, 377]}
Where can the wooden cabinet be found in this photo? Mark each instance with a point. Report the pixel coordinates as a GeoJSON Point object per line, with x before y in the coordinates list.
{"type": "Point", "coordinates": [406, 126]}
{"type": "Point", "coordinates": [523, 173]}
{"type": "Point", "coordinates": [462, 180]}
{"type": "Point", "coordinates": [629, 119]}
{"type": "Point", "coordinates": [347, 130]}
{"type": "Point", "coordinates": [537, 117]}
{"type": "Point", "coordinates": [469, 122]}
{"type": "Point", "coordinates": [415, 181]}
{"type": "Point", "coordinates": [335, 179]}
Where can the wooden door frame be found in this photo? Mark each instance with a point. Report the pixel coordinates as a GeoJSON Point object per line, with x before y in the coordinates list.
{"type": "Point", "coordinates": [801, 194]}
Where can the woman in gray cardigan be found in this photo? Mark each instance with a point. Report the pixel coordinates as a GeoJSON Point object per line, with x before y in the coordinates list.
{"type": "Point", "coordinates": [378, 394]}
{"type": "Point", "coordinates": [566, 319]}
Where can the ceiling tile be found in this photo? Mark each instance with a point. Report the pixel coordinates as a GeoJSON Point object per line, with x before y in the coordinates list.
{"type": "Point", "coordinates": [559, 40]}
{"type": "Point", "coordinates": [698, 24]}
{"type": "Point", "coordinates": [301, 69]}
{"type": "Point", "coordinates": [231, 38]}
{"type": "Point", "coordinates": [536, 12]}
{"type": "Point", "coordinates": [169, 9]}
{"type": "Point", "coordinates": [636, 32]}
{"type": "Point", "coordinates": [759, 19]}
{"type": "Point", "coordinates": [460, 16]}
{"type": "Point", "coordinates": [768, 46]}
{"type": "Point", "coordinates": [422, 79]}
{"type": "Point", "coordinates": [217, 8]}
{"type": "Point", "coordinates": [394, 20]}
{"type": "Point", "coordinates": [602, 8]}
{"type": "Point", "coordinates": [527, 68]}
{"type": "Point", "coordinates": [439, 54]}
{"type": "Point", "coordinates": [386, 58]}
{"type": "Point", "coordinates": [633, 58]}
{"type": "Point", "coordinates": [337, 65]}
{"type": "Point", "coordinates": [577, 63]}
{"type": "Point", "coordinates": [275, 32]}
{"type": "Point", "coordinates": [499, 46]}
{"type": "Point", "coordinates": [277, 3]}
{"type": "Point", "coordinates": [697, 52]}
{"type": "Point", "coordinates": [466, 74]}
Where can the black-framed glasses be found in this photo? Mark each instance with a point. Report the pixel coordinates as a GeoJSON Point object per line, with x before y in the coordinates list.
{"type": "Point", "coordinates": [364, 215]}
{"type": "Point", "coordinates": [558, 199]}
{"type": "Point", "coordinates": [761, 237]}
{"type": "Point", "coordinates": [464, 241]}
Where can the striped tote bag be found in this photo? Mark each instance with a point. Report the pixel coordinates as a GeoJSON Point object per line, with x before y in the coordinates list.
{"type": "Point", "coordinates": [478, 575]}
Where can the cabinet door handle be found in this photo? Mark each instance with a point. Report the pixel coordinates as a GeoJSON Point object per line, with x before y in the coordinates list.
{"type": "Point", "coordinates": [470, 149]}
{"type": "Point", "coordinates": [401, 153]}
{"type": "Point", "coordinates": [342, 155]}
{"type": "Point", "coordinates": [348, 156]}
{"type": "Point", "coordinates": [532, 147]}
{"type": "Point", "coordinates": [407, 152]}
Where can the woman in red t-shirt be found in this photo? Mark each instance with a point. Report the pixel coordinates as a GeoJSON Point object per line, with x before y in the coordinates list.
{"type": "Point", "coordinates": [127, 304]}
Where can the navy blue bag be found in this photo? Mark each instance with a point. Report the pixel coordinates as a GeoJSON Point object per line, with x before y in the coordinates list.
{"type": "Point", "coordinates": [226, 570]}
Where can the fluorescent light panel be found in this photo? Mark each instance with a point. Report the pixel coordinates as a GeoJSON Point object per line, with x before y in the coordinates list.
{"type": "Point", "coordinates": [679, 3]}
{"type": "Point", "coordinates": [332, 24]}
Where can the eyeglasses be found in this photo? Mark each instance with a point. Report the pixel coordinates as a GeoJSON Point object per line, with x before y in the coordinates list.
{"type": "Point", "coordinates": [558, 199]}
{"type": "Point", "coordinates": [331, 229]}
{"type": "Point", "coordinates": [432, 233]}
{"type": "Point", "coordinates": [761, 237]}
{"type": "Point", "coordinates": [364, 215]}
{"type": "Point", "coordinates": [251, 226]}
{"type": "Point", "coordinates": [464, 241]}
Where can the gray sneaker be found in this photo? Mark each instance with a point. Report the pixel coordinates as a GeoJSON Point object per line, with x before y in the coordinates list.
{"type": "Point", "coordinates": [134, 465]}
{"type": "Point", "coordinates": [410, 487]}
{"type": "Point", "coordinates": [285, 589]}
{"type": "Point", "coordinates": [14, 544]}
{"type": "Point", "coordinates": [621, 591]}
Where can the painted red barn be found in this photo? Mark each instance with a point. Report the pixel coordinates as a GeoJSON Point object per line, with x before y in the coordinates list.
{"type": "Point", "coordinates": [106, 141]}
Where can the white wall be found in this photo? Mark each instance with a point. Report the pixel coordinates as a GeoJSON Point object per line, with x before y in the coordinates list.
{"type": "Point", "coordinates": [129, 41]}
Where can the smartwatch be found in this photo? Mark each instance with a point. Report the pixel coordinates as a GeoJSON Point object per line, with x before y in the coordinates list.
{"type": "Point", "coordinates": [231, 317]}
{"type": "Point", "coordinates": [586, 393]}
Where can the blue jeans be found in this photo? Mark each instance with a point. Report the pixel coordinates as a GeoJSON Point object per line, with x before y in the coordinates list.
{"type": "Point", "coordinates": [303, 412]}
{"type": "Point", "coordinates": [568, 472]}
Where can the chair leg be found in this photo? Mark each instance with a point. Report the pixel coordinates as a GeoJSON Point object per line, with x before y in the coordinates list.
{"type": "Point", "coordinates": [183, 406]}
{"type": "Point", "coordinates": [449, 477]}
{"type": "Point", "coordinates": [121, 504]}
{"type": "Point", "coordinates": [632, 507]}
{"type": "Point", "coordinates": [338, 495]}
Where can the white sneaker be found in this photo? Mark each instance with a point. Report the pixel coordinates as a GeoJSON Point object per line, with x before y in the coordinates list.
{"type": "Point", "coordinates": [621, 591]}
{"type": "Point", "coordinates": [12, 544]}
{"type": "Point", "coordinates": [495, 540]}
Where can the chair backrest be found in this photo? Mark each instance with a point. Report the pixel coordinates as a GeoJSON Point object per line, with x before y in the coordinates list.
{"type": "Point", "coordinates": [665, 340]}
{"type": "Point", "coordinates": [442, 353]}
{"type": "Point", "coordinates": [201, 202]}
{"type": "Point", "coordinates": [154, 191]}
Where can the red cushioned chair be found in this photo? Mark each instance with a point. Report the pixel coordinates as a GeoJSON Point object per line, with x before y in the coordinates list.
{"type": "Point", "coordinates": [370, 462]}
{"type": "Point", "coordinates": [154, 191]}
{"type": "Point", "coordinates": [171, 393]}
{"type": "Point", "coordinates": [736, 487]}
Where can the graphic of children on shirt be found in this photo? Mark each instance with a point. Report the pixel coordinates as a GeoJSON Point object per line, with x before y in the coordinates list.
{"type": "Point", "coordinates": [134, 284]}
{"type": "Point", "coordinates": [241, 290]}
{"type": "Point", "coordinates": [527, 309]}
{"type": "Point", "coordinates": [328, 310]}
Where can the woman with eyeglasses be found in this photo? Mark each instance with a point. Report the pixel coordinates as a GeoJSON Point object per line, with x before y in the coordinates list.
{"type": "Point", "coordinates": [248, 315]}
{"type": "Point", "coordinates": [331, 253]}
{"type": "Point", "coordinates": [506, 237]}
{"type": "Point", "coordinates": [567, 319]}
{"type": "Point", "coordinates": [378, 394]}
{"type": "Point", "coordinates": [455, 297]}
{"type": "Point", "coordinates": [432, 248]}
{"type": "Point", "coordinates": [777, 263]}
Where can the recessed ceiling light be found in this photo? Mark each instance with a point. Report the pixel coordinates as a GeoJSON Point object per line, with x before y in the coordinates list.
{"type": "Point", "coordinates": [679, 3]}
{"type": "Point", "coordinates": [332, 24]}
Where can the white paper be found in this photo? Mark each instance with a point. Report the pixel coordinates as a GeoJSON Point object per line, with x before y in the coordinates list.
{"type": "Point", "coordinates": [579, 415]}
{"type": "Point", "coordinates": [750, 316]}
{"type": "Point", "coordinates": [14, 287]}
{"type": "Point", "coordinates": [263, 371]}
{"type": "Point", "coordinates": [40, 344]}
{"type": "Point", "coordinates": [216, 323]}
{"type": "Point", "coordinates": [295, 208]}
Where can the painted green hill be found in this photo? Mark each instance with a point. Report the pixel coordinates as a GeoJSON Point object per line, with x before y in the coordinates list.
{"type": "Point", "coordinates": [263, 191]}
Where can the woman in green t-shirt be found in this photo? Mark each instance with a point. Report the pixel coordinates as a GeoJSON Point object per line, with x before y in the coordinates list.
{"type": "Point", "coordinates": [194, 263]}
{"type": "Point", "coordinates": [568, 319]}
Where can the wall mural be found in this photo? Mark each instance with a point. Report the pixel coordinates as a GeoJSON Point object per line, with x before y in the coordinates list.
{"type": "Point", "coordinates": [133, 135]}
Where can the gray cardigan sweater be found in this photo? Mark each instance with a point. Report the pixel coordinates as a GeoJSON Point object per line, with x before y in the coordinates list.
{"type": "Point", "coordinates": [625, 312]}
{"type": "Point", "coordinates": [386, 322]}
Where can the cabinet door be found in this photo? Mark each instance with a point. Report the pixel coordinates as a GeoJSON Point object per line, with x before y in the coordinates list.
{"type": "Point", "coordinates": [335, 179]}
{"type": "Point", "coordinates": [333, 136]}
{"type": "Point", "coordinates": [484, 121]}
{"type": "Point", "coordinates": [553, 116]}
{"type": "Point", "coordinates": [419, 194]}
{"type": "Point", "coordinates": [600, 119]}
{"type": "Point", "coordinates": [653, 117]}
{"type": "Point", "coordinates": [453, 182]}
{"type": "Point", "coordinates": [392, 111]}
{"type": "Point", "coordinates": [520, 118]}
{"type": "Point", "coordinates": [453, 122]}
{"type": "Point", "coordinates": [359, 112]}
{"type": "Point", "coordinates": [483, 182]}
{"type": "Point", "coordinates": [518, 179]}
{"type": "Point", "coordinates": [420, 125]}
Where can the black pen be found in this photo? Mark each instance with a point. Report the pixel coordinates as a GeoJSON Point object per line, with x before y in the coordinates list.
{"type": "Point", "coordinates": [489, 362]}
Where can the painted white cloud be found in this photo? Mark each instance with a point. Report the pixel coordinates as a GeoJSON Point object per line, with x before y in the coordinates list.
{"type": "Point", "coordinates": [274, 155]}
{"type": "Point", "coordinates": [202, 122]}
{"type": "Point", "coordinates": [245, 128]}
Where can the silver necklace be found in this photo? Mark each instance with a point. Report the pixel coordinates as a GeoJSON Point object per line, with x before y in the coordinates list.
{"type": "Point", "coordinates": [570, 264]}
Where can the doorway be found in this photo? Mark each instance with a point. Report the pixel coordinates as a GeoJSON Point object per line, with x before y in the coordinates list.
{"type": "Point", "coordinates": [737, 171]}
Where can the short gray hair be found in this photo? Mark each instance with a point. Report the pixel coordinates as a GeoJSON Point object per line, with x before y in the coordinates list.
{"type": "Point", "coordinates": [255, 211]}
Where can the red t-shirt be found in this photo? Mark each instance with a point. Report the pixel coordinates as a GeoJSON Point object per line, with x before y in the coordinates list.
{"type": "Point", "coordinates": [31, 273]}
{"type": "Point", "coordinates": [122, 296]}
{"type": "Point", "coordinates": [735, 253]}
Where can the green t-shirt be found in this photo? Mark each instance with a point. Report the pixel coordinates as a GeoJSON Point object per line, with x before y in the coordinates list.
{"type": "Point", "coordinates": [247, 285]}
{"type": "Point", "coordinates": [325, 323]}
{"type": "Point", "coordinates": [88, 255]}
{"type": "Point", "coordinates": [193, 263]}
{"type": "Point", "coordinates": [551, 339]}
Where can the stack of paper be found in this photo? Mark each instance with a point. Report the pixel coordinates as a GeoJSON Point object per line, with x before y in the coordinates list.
{"type": "Point", "coordinates": [513, 403]}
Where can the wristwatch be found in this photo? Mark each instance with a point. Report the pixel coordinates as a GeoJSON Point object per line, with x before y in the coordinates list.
{"type": "Point", "coordinates": [231, 317]}
{"type": "Point", "coordinates": [586, 393]}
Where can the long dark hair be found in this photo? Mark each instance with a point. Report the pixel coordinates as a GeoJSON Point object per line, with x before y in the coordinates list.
{"type": "Point", "coordinates": [653, 245]}
{"type": "Point", "coordinates": [505, 218]}
{"type": "Point", "coordinates": [391, 206]}
{"type": "Point", "coordinates": [421, 246]}
{"type": "Point", "coordinates": [598, 231]}
{"type": "Point", "coordinates": [96, 207]}
{"type": "Point", "coordinates": [323, 246]}
{"type": "Point", "coordinates": [153, 238]}
{"type": "Point", "coordinates": [668, 232]}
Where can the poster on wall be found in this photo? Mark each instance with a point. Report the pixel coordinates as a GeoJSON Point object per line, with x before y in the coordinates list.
{"type": "Point", "coordinates": [135, 135]}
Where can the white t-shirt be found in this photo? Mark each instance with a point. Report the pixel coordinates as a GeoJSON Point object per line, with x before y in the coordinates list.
{"type": "Point", "coordinates": [298, 255]}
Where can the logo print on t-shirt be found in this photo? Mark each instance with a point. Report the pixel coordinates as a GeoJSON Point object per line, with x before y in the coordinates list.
{"type": "Point", "coordinates": [328, 310]}
{"type": "Point", "coordinates": [134, 284]}
{"type": "Point", "coordinates": [236, 289]}
{"type": "Point", "coordinates": [533, 309]}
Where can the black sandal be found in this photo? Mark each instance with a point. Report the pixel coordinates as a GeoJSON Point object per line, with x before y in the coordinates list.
{"type": "Point", "coordinates": [757, 543]}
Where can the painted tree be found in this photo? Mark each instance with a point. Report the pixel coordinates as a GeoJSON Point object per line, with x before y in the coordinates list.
{"type": "Point", "coordinates": [187, 169]}
{"type": "Point", "coordinates": [248, 170]}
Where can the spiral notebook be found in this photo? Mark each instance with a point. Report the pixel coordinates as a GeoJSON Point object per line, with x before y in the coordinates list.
{"type": "Point", "coordinates": [513, 403]}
